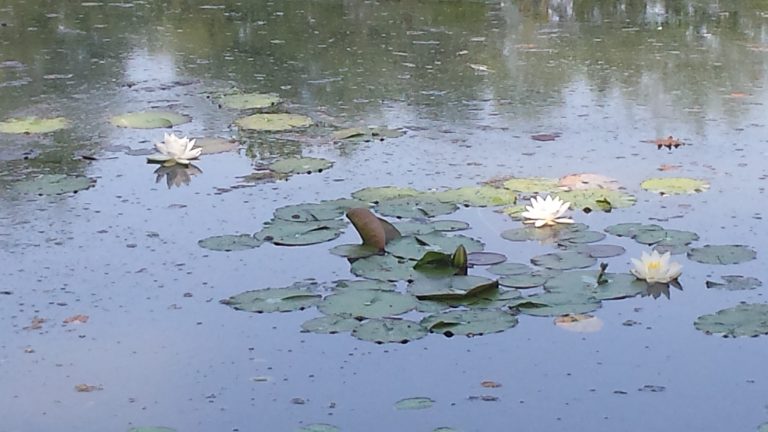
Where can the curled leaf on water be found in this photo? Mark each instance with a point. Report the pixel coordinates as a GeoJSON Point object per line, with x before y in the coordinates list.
{"type": "Point", "coordinates": [374, 231]}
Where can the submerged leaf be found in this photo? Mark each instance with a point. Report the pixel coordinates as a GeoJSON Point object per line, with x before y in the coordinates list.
{"type": "Point", "coordinates": [250, 100]}
{"type": "Point", "coordinates": [736, 283]}
{"type": "Point", "coordinates": [30, 125]}
{"type": "Point", "coordinates": [54, 184]}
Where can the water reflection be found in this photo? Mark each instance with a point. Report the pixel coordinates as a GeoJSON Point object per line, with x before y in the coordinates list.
{"type": "Point", "coordinates": [657, 289]}
{"type": "Point", "coordinates": [176, 175]}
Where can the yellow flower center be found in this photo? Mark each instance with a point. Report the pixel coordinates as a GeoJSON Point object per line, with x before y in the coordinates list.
{"type": "Point", "coordinates": [654, 265]}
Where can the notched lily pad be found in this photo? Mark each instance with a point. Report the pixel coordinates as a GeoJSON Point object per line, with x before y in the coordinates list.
{"type": "Point", "coordinates": [564, 260]}
{"type": "Point", "coordinates": [149, 120]}
{"type": "Point", "coordinates": [507, 269]}
{"type": "Point", "coordinates": [415, 207]}
{"type": "Point", "coordinates": [384, 193]}
{"type": "Point", "coordinates": [250, 100]}
{"type": "Point", "coordinates": [598, 199]}
{"type": "Point", "coordinates": [416, 246]}
{"type": "Point", "coordinates": [735, 283]}
{"type": "Point", "coordinates": [32, 125]}
{"type": "Point", "coordinates": [674, 185]}
{"type": "Point", "coordinates": [305, 165]}
{"type": "Point", "coordinates": [414, 403]}
{"type": "Point", "coordinates": [273, 122]}
{"type": "Point", "coordinates": [450, 287]}
{"type": "Point", "coordinates": [557, 303]}
{"type": "Point", "coordinates": [285, 233]}
{"type": "Point", "coordinates": [213, 145]}
{"type": "Point", "coordinates": [532, 185]}
{"type": "Point", "coordinates": [330, 324]}
{"type": "Point", "coordinates": [612, 286]}
{"type": "Point", "coordinates": [388, 330]}
{"type": "Point", "coordinates": [666, 237]}
{"type": "Point", "coordinates": [386, 268]}
{"type": "Point", "coordinates": [298, 296]}
{"type": "Point", "coordinates": [230, 242]}
{"type": "Point", "coordinates": [478, 196]}
{"type": "Point", "coordinates": [631, 229]}
{"type": "Point", "coordinates": [54, 184]}
{"type": "Point", "coordinates": [485, 258]}
{"type": "Point", "coordinates": [469, 322]}
{"type": "Point", "coordinates": [748, 319]}
{"type": "Point", "coordinates": [722, 254]}
{"type": "Point", "coordinates": [367, 303]}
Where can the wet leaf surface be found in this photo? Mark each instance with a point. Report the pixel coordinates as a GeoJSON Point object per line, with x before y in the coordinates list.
{"type": "Point", "coordinates": [303, 165]}
{"type": "Point", "coordinates": [450, 287]}
{"type": "Point", "coordinates": [422, 206]}
{"type": "Point", "coordinates": [54, 184]}
{"type": "Point", "coordinates": [330, 324]}
{"type": "Point", "coordinates": [563, 260]}
{"type": "Point", "coordinates": [250, 100]}
{"type": "Point", "coordinates": [414, 403]}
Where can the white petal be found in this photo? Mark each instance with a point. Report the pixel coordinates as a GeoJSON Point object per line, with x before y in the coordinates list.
{"type": "Point", "coordinates": [158, 157]}
{"type": "Point", "coordinates": [564, 220]}
{"type": "Point", "coordinates": [540, 223]}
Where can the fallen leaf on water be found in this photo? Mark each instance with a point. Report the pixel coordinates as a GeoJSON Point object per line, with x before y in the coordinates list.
{"type": "Point", "coordinates": [580, 323]}
{"type": "Point", "coordinates": [737, 95]}
{"type": "Point", "coordinates": [546, 136]}
{"type": "Point", "coordinates": [669, 142]}
{"type": "Point", "coordinates": [588, 181]}
{"type": "Point", "coordinates": [35, 324]}
{"type": "Point", "coordinates": [87, 388]}
{"type": "Point", "coordinates": [79, 318]}
{"type": "Point", "coordinates": [490, 384]}
{"type": "Point", "coordinates": [668, 167]}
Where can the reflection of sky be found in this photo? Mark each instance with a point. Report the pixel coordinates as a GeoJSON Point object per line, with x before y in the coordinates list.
{"type": "Point", "coordinates": [142, 65]}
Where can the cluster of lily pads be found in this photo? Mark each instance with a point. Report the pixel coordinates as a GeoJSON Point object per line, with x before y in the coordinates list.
{"type": "Point", "coordinates": [409, 268]}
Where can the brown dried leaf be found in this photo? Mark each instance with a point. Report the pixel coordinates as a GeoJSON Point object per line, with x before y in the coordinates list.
{"type": "Point", "coordinates": [669, 142]}
{"type": "Point", "coordinates": [35, 324]}
{"type": "Point", "coordinates": [79, 318]}
{"type": "Point", "coordinates": [490, 384]}
{"type": "Point", "coordinates": [588, 181]}
{"type": "Point", "coordinates": [546, 136]}
{"type": "Point", "coordinates": [87, 388]}
{"type": "Point", "coordinates": [668, 167]}
{"type": "Point", "coordinates": [580, 323]}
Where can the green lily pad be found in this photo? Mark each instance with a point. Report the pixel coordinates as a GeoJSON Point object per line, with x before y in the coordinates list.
{"type": "Point", "coordinates": [367, 303]}
{"type": "Point", "coordinates": [666, 237]}
{"type": "Point", "coordinates": [469, 322]}
{"type": "Point", "coordinates": [574, 238]}
{"type": "Point", "coordinates": [319, 427]}
{"type": "Point", "coordinates": [533, 185]}
{"type": "Point", "coordinates": [748, 319]}
{"type": "Point", "coordinates": [631, 229]}
{"type": "Point", "coordinates": [674, 185]}
{"type": "Point", "coordinates": [286, 233]}
{"type": "Point", "coordinates": [298, 296]}
{"type": "Point", "coordinates": [330, 324]}
{"type": "Point", "coordinates": [735, 283]}
{"type": "Point", "coordinates": [416, 207]}
{"type": "Point", "coordinates": [599, 250]}
{"type": "Point", "coordinates": [546, 233]}
{"type": "Point", "coordinates": [31, 125]}
{"type": "Point", "coordinates": [305, 165]}
{"type": "Point", "coordinates": [478, 196]}
{"type": "Point", "coordinates": [410, 228]}
{"type": "Point", "coordinates": [557, 303]}
{"type": "Point", "coordinates": [485, 258]}
{"type": "Point", "coordinates": [384, 193]}
{"type": "Point", "coordinates": [437, 264]}
{"type": "Point", "coordinates": [563, 260]}
{"type": "Point", "coordinates": [388, 330]}
{"type": "Point", "coordinates": [523, 281]}
{"type": "Point", "coordinates": [216, 145]}
{"type": "Point", "coordinates": [365, 284]}
{"type": "Point", "coordinates": [250, 100]}
{"type": "Point", "coordinates": [414, 403]}
{"type": "Point", "coordinates": [366, 133]}
{"type": "Point", "coordinates": [149, 120]}
{"type": "Point", "coordinates": [273, 122]}
{"type": "Point", "coordinates": [310, 212]}
{"type": "Point", "coordinates": [450, 287]}
{"type": "Point", "coordinates": [416, 246]}
{"type": "Point", "coordinates": [54, 184]}
{"type": "Point", "coordinates": [508, 269]}
{"type": "Point", "coordinates": [486, 299]}
{"type": "Point", "coordinates": [230, 243]}
{"type": "Point", "coordinates": [722, 254]}
{"type": "Point", "coordinates": [598, 199]}
{"type": "Point", "coordinates": [386, 268]}
{"type": "Point", "coordinates": [354, 251]}
{"type": "Point", "coordinates": [613, 286]}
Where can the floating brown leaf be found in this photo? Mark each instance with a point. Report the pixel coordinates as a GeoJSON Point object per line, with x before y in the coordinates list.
{"type": "Point", "coordinates": [490, 384]}
{"type": "Point", "coordinates": [588, 181]}
{"type": "Point", "coordinates": [374, 231]}
{"type": "Point", "coordinates": [35, 324]}
{"type": "Point", "coordinates": [79, 318]}
{"type": "Point", "coordinates": [669, 142]}
{"type": "Point", "coordinates": [546, 136]}
{"type": "Point", "coordinates": [87, 388]}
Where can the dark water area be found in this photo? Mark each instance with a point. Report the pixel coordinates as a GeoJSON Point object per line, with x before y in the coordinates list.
{"type": "Point", "coordinates": [469, 83]}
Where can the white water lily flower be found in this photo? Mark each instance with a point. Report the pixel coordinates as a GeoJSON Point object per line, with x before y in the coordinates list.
{"type": "Point", "coordinates": [175, 150]}
{"type": "Point", "coordinates": [546, 211]}
{"type": "Point", "coordinates": [655, 268]}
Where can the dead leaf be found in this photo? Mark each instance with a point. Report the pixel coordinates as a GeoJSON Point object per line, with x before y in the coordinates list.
{"type": "Point", "coordinates": [588, 181]}
{"type": "Point", "coordinates": [668, 167]}
{"type": "Point", "coordinates": [373, 230]}
{"type": "Point", "coordinates": [738, 95]}
{"type": "Point", "coordinates": [76, 319]}
{"type": "Point", "coordinates": [87, 388]}
{"type": "Point", "coordinates": [580, 323]}
{"type": "Point", "coordinates": [490, 384]}
{"type": "Point", "coordinates": [546, 136]}
{"type": "Point", "coordinates": [35, 324]}
{"type": "Point", "coordinates": [669, 142]}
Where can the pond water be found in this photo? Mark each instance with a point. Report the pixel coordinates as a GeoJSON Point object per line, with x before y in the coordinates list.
{"type": "Point", "coordinates": [470, 83]}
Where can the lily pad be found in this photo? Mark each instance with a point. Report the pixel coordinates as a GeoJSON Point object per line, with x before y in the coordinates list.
{"type": "Point", "coordinates": [485, 258]}
{"type": "Point", "coordinates": [631, 229]}
{"type": "Point", "coordinates": [366, 133]}
{"type": "Point", "coordinates": [415, 207]}
{"type": "Point", "coordinates": [492, 298]}
{"type": "Point", "coordinates": [319, 427]}
{"type": "Point", "coordinates": [598, 199]}
{"type": "Point", "coordinates": [149, 120]}
{"type": "Point", "coordinates": [410, 228]}
{"type": "Point", "coordinates": [298, 296]}
{"type": "Point", "coordinates": [557, 303]}
{"type": "Point", "coordinates": [310, 212]}
{"type": "Point", "coordinates": [722, 254]}
{"type": "Point", "coordinates": [305, 165]}
{"type": "Point", "coordinates": [366, 284]}
{"type": "Point", "coordinates": [469, 322]}
{"type": "Point", "coordinates": [286, 233]}
{"type": "Point", "coordinates": [507, 269]}
{"type": "Point", "coordinates": [384, 193]}
{"type": "Point", "coordinates": [588, 181]}
{"type": "Point", "coordinates": [478, 196]}
{"type": "Point", "coordinates": [546, 233]}
{"type": "Point", "coordinates": [612, 286]}
{"type": "Point", "coordinates": [388, 330]}
{"type": "Point", "coordinates": [532, 185]}
{"type": "Point", "coordinates": [666, 237]}
{"type": "Point", "coordinates": [250, 100]}
{"type": "Point", "coordinates": [564, 260]}
{"type": "Point", "coordinates": [31, 125]}
{"type": "Point", "coordinates": [748, 319]}
{"type": "Point", "coordinates": [416, 246]}
{"type": "Point", "coordinates": [574, 238]}
{"type": "Point", "coordinates": [674, 185]}
{"type": "Point", "coordinates": [354, 251]}
{"type": "Point", "coordinates": [273, 122]}
{"type": "Point", "coordinates": [54, 184]}
{"type": "Point", "coordinates": [522, 281]}
{"type": "Point", "coordinates": [216, 145]}
{"type": "Point", "coordinates": [414, 403]}
{"type": "Point", "coordinates": [330, 324]}
{"type": "Point", "coordinates": [735, 283]}
{"type": "Point", "coordinates": [230, 243]}
{"type": "Point", "coordinates": [367, 303]}
{"type": "Point", "coordinates": [450, 287]}
{"type": "Point", "coordinates": [386, 267]}
{"type": "Point", "coordinates": [599, 250]}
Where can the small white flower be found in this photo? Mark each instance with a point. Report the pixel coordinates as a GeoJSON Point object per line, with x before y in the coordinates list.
{"type": "Point", "coordinates": [546, 211]}
{"type": "Point", "coordinates": [175, 150]}
{"type": "Point", "coordinates": [655, 268]}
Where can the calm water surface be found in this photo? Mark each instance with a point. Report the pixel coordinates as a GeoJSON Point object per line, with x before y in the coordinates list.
{"type": "Point", "coordinates": [469, 82]}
